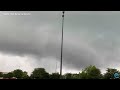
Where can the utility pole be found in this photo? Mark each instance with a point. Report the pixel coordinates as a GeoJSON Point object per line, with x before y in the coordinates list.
{"type": "Point", "coordinates": [62, 44]}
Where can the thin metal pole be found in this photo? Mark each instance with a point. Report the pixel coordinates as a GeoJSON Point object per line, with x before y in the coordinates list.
{"type": "Point", "coordinates": [56, 67]}
{"type": "Point", "coordinates": [62, 45]}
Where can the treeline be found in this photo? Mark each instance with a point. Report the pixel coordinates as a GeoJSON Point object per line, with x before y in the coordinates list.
{"type": "Point", "coordinates": [90, 72]}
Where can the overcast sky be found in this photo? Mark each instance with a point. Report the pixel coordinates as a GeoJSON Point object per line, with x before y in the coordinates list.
{"type": "Point", "coordinates": [32, 41]}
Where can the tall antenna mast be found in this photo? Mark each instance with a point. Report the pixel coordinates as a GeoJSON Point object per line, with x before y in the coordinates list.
{"type": "Point", "coordinates": [62, 44]}
{"type": "Point", "coordinates": [56, 67]}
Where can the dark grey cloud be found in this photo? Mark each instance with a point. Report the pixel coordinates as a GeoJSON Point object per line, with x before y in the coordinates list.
{"type": "Point", "coordinates": [90, 38]}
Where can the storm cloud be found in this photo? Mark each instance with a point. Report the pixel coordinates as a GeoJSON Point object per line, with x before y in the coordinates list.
{"type": "Point", "coordinates": [90, 38]}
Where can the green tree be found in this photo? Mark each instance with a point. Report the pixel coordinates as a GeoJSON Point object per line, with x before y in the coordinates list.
{"type": "Point", "coordinates": [68, 76]}
{"type": "Point", "coordinates": [83, 75]}
{"type": "Point", "coordinates": [25, 75]}
{"type": "Point", "coordinates": [75, 76]}
{"type": "Point", "coordinates": [55, 76]}
{"type": "Point", "coordinates": [1, 74]}
{"type": "Point", "coordinates": [39, 73]}
{"type": "Point", "coordinates": [91, 72]}
{"type": "Point", "coordinates": [8, 75]}
{"type": "Point", "coordinates": [110, 73]}
{"type": "Point", "coordinates": [18, 74]}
